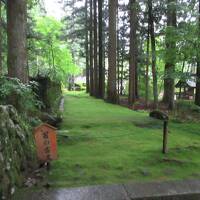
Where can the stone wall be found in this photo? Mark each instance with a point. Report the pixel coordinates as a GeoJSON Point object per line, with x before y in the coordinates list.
{"type": "Point", "coordinates": [49, 92]}
{"type": "Point", "coordinates": [17, 151]}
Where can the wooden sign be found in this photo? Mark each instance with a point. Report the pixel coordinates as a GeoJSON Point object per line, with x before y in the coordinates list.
{"type": "Point", "coordinates": [46, 142]}
{"type": "Point", "coordinates": [162, 116]}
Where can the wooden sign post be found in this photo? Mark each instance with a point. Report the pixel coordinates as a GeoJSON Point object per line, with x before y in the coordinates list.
{"type": "Point", "coordinates": [46, 143]}
{"type": "Point", "coordinates": [165, 118]}
{"type": "Point", "coordinates": [165, 137]}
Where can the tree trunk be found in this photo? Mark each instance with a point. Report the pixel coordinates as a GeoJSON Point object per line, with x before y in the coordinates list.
{"type": "Point", "coordinates": [168, 98]}
{"type": "Point", "coordinates": [91, 51]}
{"type": "Point", "coordinates": [112, 53]}
{"type": "Point", "coordinates": [180, 89]}
{"type": "Point", "coordinates": [133, 53]}
{"type": "Point", "coordinates": [53, 58]}
{"type": "Point", "coordinates": [16, 28]}
{"type": "Point", "coordinates": [96, 85]}
{"type": "Point", "coordinates": [147, 70]}
{"type": "Point", "coordinates": [87, 48]}
{"type": "Point", "coordinates": [122, 77]}
{"type": "Point", "coordinates": [153, 48]}
{"type": "Point", "coordinates": [118, 55]}
{"type": "Point", "coordinates": [101, 65]}
{"type": "Point", "coordinates": [197, 98]}
{"type": "Point", "coordinates": [1, 67]}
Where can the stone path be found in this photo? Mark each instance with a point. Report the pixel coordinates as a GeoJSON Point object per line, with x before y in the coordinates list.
{"type": "Point", "coordinates": [182, 190]}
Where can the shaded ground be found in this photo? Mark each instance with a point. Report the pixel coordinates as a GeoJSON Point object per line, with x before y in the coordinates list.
{"type": "Point", "coordinates": [111, 144]}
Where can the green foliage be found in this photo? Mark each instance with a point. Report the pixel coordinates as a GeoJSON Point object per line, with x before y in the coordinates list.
{"type": "Point", "coordinates": [12, 91]}
{"type": "Point", "coordinates": [51, 56]}
{"type": "Point", "coordinates": [189, 106]}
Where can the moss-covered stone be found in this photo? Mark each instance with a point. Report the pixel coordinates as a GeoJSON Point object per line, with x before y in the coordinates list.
{"type": "Point", "coordinates": [17, 150]}
{"type": "Point", "coordinates": [49, 92]}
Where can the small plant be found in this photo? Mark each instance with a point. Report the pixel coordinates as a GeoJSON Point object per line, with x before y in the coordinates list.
{"type": "Point", "coordinates": [21, 96]}
{"type": "Point", "coordinates": [186, 110]}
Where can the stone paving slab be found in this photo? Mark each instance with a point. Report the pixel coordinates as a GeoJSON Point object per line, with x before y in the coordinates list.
{"type": "Point", "coordinates": [111, 192]}
{"type": "Point", "coordinates": [180, 190]}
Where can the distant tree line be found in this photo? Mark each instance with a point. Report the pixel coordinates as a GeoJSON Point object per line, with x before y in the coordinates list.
{"type": "Point", "coordinates": [136, 48]}
{"type": "Point", "coordinates": [145, 46]}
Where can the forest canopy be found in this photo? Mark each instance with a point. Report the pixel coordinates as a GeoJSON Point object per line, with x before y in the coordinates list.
{"type": "Point", "coordinates": [144, 51]}
{"type": "Point", "coordinates": [53, 57]}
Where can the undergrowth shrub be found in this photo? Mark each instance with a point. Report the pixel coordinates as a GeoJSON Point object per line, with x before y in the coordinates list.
{"type": "Point", "coordinates": [21, 96]}
{"type": "Point", "coordinates": [186, 110]}
{"type": "Point", "coordinates": [186, 105]}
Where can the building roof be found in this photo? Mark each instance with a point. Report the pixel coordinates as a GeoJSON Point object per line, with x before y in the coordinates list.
{"type": "Point", "coordinates": [186, 83]}
{"type": "Point", "coordinates": [191, 83]}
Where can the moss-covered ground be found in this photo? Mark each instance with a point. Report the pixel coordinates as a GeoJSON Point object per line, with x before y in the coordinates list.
{"type": "Point", "coordinates": [111, 144]}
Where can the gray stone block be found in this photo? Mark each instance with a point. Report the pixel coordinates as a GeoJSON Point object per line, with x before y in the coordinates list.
{"type": "Point", "coordinates": [115, 192]}
{"type": "Point", "coordinates": [180, 190]}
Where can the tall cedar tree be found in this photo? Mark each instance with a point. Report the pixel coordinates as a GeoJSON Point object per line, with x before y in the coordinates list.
{"type": "Point", "coordinates": [168, 97]}
{"type": "Point", "coordinates": [133, 52]}
{"type": "Point", "coordinates": [87, 48]}
{"type": "Point", "coordinates": [122, 52]}
{"type": "Point", "coordinates": [1, 68]}
{"type": "Point", "coordinates": [118, 53]}
{"type": "Point", "coordinates": [153, 50]}
{"type": "Point", "coordinates": [101, 65]}
{"type": "Point", "coordinates": [16, 29]}
{"type": "Point", "coordinates": [197, 98]}
{"type": "Point", "coordinates": [96, 89]}
{"type": "Point", "coordinates": [147, 69]}
{"type": "Point", "coordinates": [91, 50]}
{"type": "Point", "coordinates": [112, 53]}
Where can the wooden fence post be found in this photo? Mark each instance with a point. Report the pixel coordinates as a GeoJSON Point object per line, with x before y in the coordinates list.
{"type": "Point", "coordinates": [165, 137]}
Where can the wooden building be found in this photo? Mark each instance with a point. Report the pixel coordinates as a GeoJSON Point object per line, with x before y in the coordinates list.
{"type": "Point", "coordinates": [186, 89]}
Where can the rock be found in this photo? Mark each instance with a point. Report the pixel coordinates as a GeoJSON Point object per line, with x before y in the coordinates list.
{"type": "Point", "coordinates": [30, 182]}
{"type": "Point", "coordinates": [50, 119]}
{"type": "Point", "coordinates": [16, 150]}
{"type": "Point", "coordinates": [159, 115]}
{"type": "Point", "coordinates": [48, 92]}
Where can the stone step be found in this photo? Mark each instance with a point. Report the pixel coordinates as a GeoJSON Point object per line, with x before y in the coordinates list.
{"type": "Point", "coordinates": [178, 190]}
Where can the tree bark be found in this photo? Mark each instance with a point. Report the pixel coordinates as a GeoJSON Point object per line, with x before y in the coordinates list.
{"type": "Point", "coordinates": [168, 97]}
{"type": "Point", "coordinates": [17, 50]}
{"type": "Point", "coordinates": [96, 85]}
{"type": "Point", "coordinates": [1, 48]}
{"type": "Point", "coordinates": [197, 97]}
{"type": "Point", "coordinates": [53, 58]}
{"type": "Point", "coordinates": [153, 48]}
{"type": "Point", "coordinates": [122, 75]}
{"type": "Point", "coordinates": [118, 55]}
{"type": "Point", "coordinates": [147, 70]}
{"type": "Point", "coordinates": [87, 49]}
{"type": "Point", "coordinates": [91, 50]}
{"type": "Point", "coordinates": [133, 53]}
{"type": "Point", "coordinates": [112, 53]}
{"type": "Point", "coordinates": [101, 65]}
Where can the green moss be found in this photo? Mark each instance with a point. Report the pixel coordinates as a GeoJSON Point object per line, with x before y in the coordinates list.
{"type": "Point", "coordinates": [111, 144]}
{"type": "Point", "coordinates": [16, 149]}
